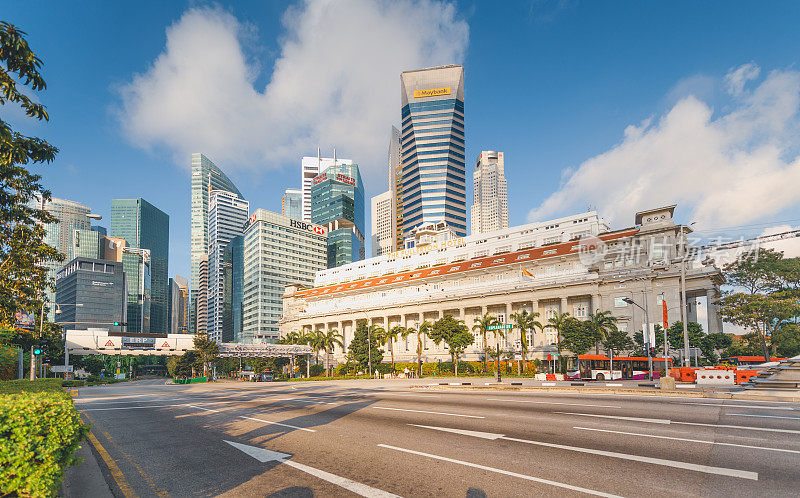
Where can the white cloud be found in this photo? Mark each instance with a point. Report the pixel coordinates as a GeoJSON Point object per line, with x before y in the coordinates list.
{"type": "Point", "coordinates": [336, 82]}
{"type": "Point", "coordinates": [738, 77]}
{"type": "Point", "coordinates": [735, 167]}
{"type": "Point", "coordinates": [790, 246]}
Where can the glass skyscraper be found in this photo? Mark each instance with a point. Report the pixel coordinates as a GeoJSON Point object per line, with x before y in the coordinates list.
{"type": "Point", "coordinates": [138, 279]}
{"type": "Point", "coordinates": [432, 148]}
{"type": "Point", "coordinates": [144, 226]}
{"type": "Point", "coordinates": [205, 177]}
{"type": "Point", "coordinates": [337, 201]}
{"type": "Point", "coordinates": [292, 203]}
{"type": "Point", "coordinates": [233, 285]}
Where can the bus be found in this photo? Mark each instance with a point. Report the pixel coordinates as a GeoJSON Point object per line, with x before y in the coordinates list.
{"type": "Point", "coordinates": [747, 361]}
{"type": "Point", "coordinates": [637, 368]}
{"type": "Point", "coordinates": [592, 367]}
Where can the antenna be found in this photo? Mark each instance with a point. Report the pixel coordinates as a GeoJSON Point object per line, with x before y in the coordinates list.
{"type": "Point", "coordinates": [334, 155]}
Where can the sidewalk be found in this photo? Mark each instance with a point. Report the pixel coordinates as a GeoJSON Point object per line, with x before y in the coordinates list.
{"type": "Point", "coordinates": [85, 479]}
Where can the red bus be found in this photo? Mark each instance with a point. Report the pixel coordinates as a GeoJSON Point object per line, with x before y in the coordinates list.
{"type": "Point", "coordinates": [745, 361]}
{"type": "Point", "coordinates": [601, 367]}
{"type": "Point", "coordinates": [636, 367]}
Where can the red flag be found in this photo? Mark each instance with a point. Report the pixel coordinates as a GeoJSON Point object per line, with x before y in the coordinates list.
{"type": "Point", "coordinates": [666, 320]}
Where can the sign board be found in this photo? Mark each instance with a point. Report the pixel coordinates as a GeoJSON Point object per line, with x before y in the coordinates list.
{"type": "Point", "coordinates": [432, 92]}
{"type": "Point", "coordinates": [504, 326]}
{"type": "Point", "coordinates": [62, 368]}
{"type": "Point", "coordinates": [650, 338]}
{"type": "Point", "coordinates": [139, 342]}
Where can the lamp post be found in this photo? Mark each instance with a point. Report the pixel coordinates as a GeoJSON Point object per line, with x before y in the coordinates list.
{"type": "Point", "coordinates": [647, 332]}
{"type": "Point", "coordinates": [686, 361]}
{"type": "Point", "coordinates": [64, 332]}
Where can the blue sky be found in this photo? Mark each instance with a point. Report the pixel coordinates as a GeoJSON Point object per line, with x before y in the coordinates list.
{"type": "Point", "coordinates": [708, 93]}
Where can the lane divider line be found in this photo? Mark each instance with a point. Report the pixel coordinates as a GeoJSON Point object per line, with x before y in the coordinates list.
{"type": "Point", "coordinates": [116, 473]}
{"type": "Point", "coordinates": [667, 422]}
{"type": "Point", "coordinates": [423, 411]}
{"type": "Point", "coordinates": [343, 482]}
{"type": "Point", "coordinates": [278, 423]}
{"type": "Point", "coordinates": [761, 416]}
{"type": "Point", "coordinates": [550, 403]}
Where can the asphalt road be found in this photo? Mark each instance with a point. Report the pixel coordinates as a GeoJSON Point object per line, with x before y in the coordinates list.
{"type": "Point", "coordinates": [380, 438]}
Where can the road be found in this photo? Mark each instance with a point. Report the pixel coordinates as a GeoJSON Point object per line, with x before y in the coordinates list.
{"type": "Point", "coordinates": [381, 438]}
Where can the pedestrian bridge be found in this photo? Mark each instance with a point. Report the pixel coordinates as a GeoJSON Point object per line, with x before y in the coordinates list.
{"type": "Point", "coordinates": [101, 341]}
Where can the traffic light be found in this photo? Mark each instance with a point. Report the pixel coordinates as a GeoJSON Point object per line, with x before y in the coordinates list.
{"type": "Point", "coordinates": [120, 324]}
{"type": "Point", "coordinates": [38, 350]}
{"type": "Point", "coordinates": [653, 352]}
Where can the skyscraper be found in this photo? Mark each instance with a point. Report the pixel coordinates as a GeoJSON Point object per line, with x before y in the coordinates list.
{"type": "Point", "coordinates": [91, 293]}
{"type": "Point", "coordinates": [205, 176]}
{"type": "Point", "coordinates": [182, 313]}
{"type": "Point", "coordinates": [383, 237]}
{"type": "Point", "coordinates": [136, 263]}
{"type": "Point", "coordinates": [201, 303]}
{"type": "Point", "coordinates": [233, 285]}
{"type": "Point", "coordinates": [337, 201]}
{"type": "Point", "coordinates": [227, 214]}
{"type": "Point", "coordinates": [432, 148]}
{"type": "Point", "coordinates": [310, 168]}
{"type": "Point", "coordinates": [144, 226]}
{"type": "Point", "coordinates": [292, 203]}
{"type": "Point", "coordinates": [490, 193]}
{"type": "Point", "coordinates": [395, 187]}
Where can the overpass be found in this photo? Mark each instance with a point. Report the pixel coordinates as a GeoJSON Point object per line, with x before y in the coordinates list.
{"type": "Point", "coordinates": [101, 341]}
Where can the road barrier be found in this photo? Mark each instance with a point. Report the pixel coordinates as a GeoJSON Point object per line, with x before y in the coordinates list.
{"type": "Point", "coordinates": [711, 377]}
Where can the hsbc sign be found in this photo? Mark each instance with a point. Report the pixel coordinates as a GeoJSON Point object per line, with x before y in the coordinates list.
{"type": "Point", "coordinates": [301, 225]}
{"type": "Point", "coordinates": [319, 230]}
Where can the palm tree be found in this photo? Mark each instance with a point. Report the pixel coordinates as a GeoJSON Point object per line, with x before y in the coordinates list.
{"type": "Point", "coordinates": [314, 339]}
{"type": "Point", "coordinates": [423, 330]}
{"type": "Point", "coordinates": [525, 321]}
{"type": "Point", "coordinates": [498, 334]}
{"type": "Point", "coordinates": [602, 325]}
{"type": "Point", "coordinates": [391, 336]}
{"type": "Point", "coordinates": [292, 337]}
{"type": "Point", "coordinates": [482, 324]}
{"type": "Point", "coordinates": [558, 322]}
{"type": "Point", "coordinates": [328, 340]}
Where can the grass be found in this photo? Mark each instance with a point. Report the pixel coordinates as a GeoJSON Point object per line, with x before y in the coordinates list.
{"type": "Point", "coordinates": [27, 386]}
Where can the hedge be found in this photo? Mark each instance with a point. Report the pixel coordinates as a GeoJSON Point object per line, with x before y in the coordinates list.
{"type": "Point", "coordinates": [39, 434]}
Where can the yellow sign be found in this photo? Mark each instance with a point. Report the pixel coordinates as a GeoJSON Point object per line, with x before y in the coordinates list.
{"type": "Point", "coordinates": [433, 92]}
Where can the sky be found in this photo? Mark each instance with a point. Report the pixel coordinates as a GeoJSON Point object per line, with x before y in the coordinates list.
{"type": "Point", "coordinates": [618, 106]}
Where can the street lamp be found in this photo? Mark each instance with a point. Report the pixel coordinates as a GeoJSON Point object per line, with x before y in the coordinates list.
{"type": "Point", "coordinates": [647, 332]}
{"type": "Point", "coordinates": [686, 361]}
{"type": "Point", "coordinates": [64, 329]}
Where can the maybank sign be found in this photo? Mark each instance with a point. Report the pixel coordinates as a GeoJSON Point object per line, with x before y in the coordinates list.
{"type": "Point", "coordinates": [433, 92]}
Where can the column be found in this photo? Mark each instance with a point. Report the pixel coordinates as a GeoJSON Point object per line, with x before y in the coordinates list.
{"type": "Point", "coordinates": [597, 304]}
{"type": "Point", "coordinates": [563, 307]}
{"type": "Point", "coordinates": [714, 320]}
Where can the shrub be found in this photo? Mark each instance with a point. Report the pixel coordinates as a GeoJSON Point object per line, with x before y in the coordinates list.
{"type": "Point", "coordinates": [317, 370]}
{"type": "Point", "coordinates": [39, 434]}
{"type": "Point", "coordinates": [39, 385]}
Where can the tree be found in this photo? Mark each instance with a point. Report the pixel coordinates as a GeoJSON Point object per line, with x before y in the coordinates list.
{"type": "Point", "coordinates": [602, 323]}
{"type": "Point", "coordinates": [423, 331]}
{"type": "Point", "coordinates": [365, 346]}
{"type": "Point", "coordinates": [328, 340]}
{"type": "Point", "coordinates": [755, 271]}
{"type": "Point", "coordinates": [579, 336]}
{"type": "Point", "coordinates": [763, 315]}
{"type": "Point", "coordinates": [207, 349]}
{"type": "Point", "coordinates": [617, 341]}
{"type": "Point", "coordinates": [481, 325]}
{"type": "Point", "coordinates": [23, 253]}
{"type": "Point", "coordinates": [525, 321]}
{"type": "Point", "coordinates": [391, 336]}
{"type": "Point", "coordinates": [786, 341]}
{"type": "Point", "coordinates": [455, 334]}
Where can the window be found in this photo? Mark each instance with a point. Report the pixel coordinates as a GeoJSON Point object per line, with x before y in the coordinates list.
{"type": "Point", "coordinates": [619, 302]}
{"type": "Point", "coordinates": [660, 299]}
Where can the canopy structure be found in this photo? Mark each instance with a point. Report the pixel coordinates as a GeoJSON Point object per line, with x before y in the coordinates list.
{"type": "Point", "coordinates": [101, 341]}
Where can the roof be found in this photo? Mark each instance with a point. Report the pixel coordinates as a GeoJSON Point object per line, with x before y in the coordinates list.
{"type": "Point", "coordinates": [642, 214]}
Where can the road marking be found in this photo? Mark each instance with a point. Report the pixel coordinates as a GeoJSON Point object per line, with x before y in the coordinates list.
{"type": "Point", "coordinates": [548, 384]}
{"type": "Point", "coordinates": [264, 455]}
{"type": "Point", "coordinates": [278, 423]}
{"type": "Point", "coordinates": [761, 416]}
{"type": "Point", "coordinates": [660, 421]}
{"type": "Point", "coordinates": [614, 384]}
{"type": "Point", "coordinates": [463, 432]}
{"type": "Point", "coordinates": [204, 409]}
{"type": "Point", "coordinates": [686, 386]}
{"type": "Point", "coordinates": [501, 471]}
{"type": "Point", "coordinates": [742, 474]}
{"type": "Point", "coordinates": [687, 440]}
{"type": "Point", "coordinates": [550, 403]}
{"type": "Point", "coordinates": [422, 411]}
{"type": "Point", "coordinates": [116, 473]}
{"type": "Point", "coordinates": [127, 407]}
{"type": "Point", "coordinates": [742, 406]}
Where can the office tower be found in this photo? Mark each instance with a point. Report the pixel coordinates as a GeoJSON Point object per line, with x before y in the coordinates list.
{"type": "Point", "coordinates": [278, 251]}
{"type": "Point", "coordinates": [292, 203]}
{"type": "Point", "coordinates": [85, 244]}
{"type": "Point", "coordinates": [111, 248]}
{"type": "Point", "coordinates": [136, 263]}
{"type": "Point", "coordinates": [144, 226]}
{"type": "Point", "coordinates": [233, 285]}
{"type": "Point", "coordinates": [172, 307]}
{"type": "Point", "coordinates": [183, 304]}
{"type": "Point", "coordinates": [310, 168]}
{"type": "Point", "coordinates": [202, 296]}
{"type": "Point", "coordinates": [490, 193]}
{"type": "Point", "coordinates": [395, 186]}
{"type": "Point", "coordinates": [432, 148]}
{"type": "Point", "coordinates": [337, 201]}
{"type": "Point", "coordinates": [100, 230]}
{"type": "Point", "coordinates": [227, 214]}
{"type": "Point", "coordinates": [91, 293]}
{"type": "Point", "coordinates": [206, 176]}
{"type": "Point", "coordinates": [383, 237]}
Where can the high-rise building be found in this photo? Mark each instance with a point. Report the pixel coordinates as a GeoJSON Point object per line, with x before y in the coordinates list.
{"type": "Point", "coordinates": [205, 177]}
{"type": "Point", "coordinates": [136, 263]}
{"type": "Point", "coordinates": [395, 187]}
{"type": "Point", "coordinates": [85, 244]}
{"type": "Point", "coordinates": [278, 251]}
{"type": "Point", "coordinates": [489, 194]}
{"type": "Point", "coordinates": [432, 148]}
{"type": "Point", "coordinates": [292, 203]}
{"type": "Point", "coordinates": [201, 311]}
{"type": "Point", "coordinates": [172, 306]}
{"type": "Point", "coordinates": [227, 214]}
{"type": "Point", "coordinates": [310, 168]}
{"type": "Point", "coordinates": [91, 293]}
{"type": "Point", "coordinates": [182, 313]}
{"type": "Point", "coordinates": [233, 285]}
{"type": "Point", "coordinates": [100, 230]}
{"type": "Point", "coordinates": [337, 201]}
{"type": "Point", "coordinates": [383, 237]}
{"type": "Point", "coordinates": [144, 226]}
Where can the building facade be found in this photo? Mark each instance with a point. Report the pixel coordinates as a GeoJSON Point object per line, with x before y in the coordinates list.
{"type": "Point", "coordinates": [572, 264]}
{"type": "Point", "coordinates": [310, 168]}
{"type": "Point", "coordinates": [337, 202]}
{"type": "Point", "coordinates": [144, 226]}
{"type": "Point", "coordinates": [233, 285]}
{"type": "Point", "coordinates": [432, 147]}
{"type": "Point", "coordinates": [201, 303]}
{"type": "Point", "coordinates": [227, 214]}
{"type": "Point", "coordinates": [395, 187]}
{"type": "Point", "coordinates": [489, 194]}
{"type": "Point", "coordinates": [292, 203]}
{"type": "Point", "coordinates": [138, 278]}
{"type": "Point", "coordinates": [383, 235]}
{"type": "Point", "coordinates": [85, 244]}
{"type": "Point", "coordinates": [278, 251]}
{"type": "Point", "coordinates": [206, 176]}
{"type": "Point", "coordinates": [91, 293]}
{"type": "Point", "coordinates": [182, 313]}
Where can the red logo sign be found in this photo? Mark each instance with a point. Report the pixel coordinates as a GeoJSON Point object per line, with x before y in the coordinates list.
{"type": "Point", "coordinates": [109, 343]}
{"type": "Point", "coordinates": [165, 345]}
{"type": "Point", "coordinates": [253, 218]}
{"type": "Point", "coordinates": [319, 230]}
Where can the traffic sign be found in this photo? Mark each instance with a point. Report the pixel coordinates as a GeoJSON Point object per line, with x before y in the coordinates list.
{"type": "Point", "coordinates": [62, 368]}
{"type": "Point", "coordinates": [502, 326]}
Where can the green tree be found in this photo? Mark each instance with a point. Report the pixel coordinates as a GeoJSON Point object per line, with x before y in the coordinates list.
{"type": "Point", "coordinates": [366, 346]}
{"type": "Point", "coordinates": [455, 334]}
{"type": "Point", "coordinates": [207, 349]}
{"type": "Point", "coordinates": [756, 272]}
{"type": "Point", "coordinates": [579, 336]}
{"type": "Point", "coordinates": [525, 321]}
{"type": "Point", "coordinates": [481, 325]}
{"type": "Point", "coordinates": [391, 336]}
{"type": "Point", "coordinates": [786, 341]}
{"type": "Point", "coordinates": [617, 341]}
{"type": "Point", "coordinates": [330, 340]}
{"type": "Point", "coordinates": [762, 314]}
{"type": "Point", "coordinates": [23, 253]}
{"type": "Point", "coordinates": [602, 324]}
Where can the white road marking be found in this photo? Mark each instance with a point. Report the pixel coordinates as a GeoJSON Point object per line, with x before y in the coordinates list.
{"type": "Point", "coordinates": [278, 423]}
{"type": "Point", "coordinates": [742, 474]}
{"type": "Point", "coordinates": [761, 416]}
{"type": "Point", "coordinates": [686, 386]}
{"type": "Point", "coordinates": [422, 411]}
{"type": "Point", "coordinates": [264, 455]}
{"type": "Point", "coordinates": [660, 421]}
{"type": "Point", "coordinates": [548, 384]}
{"type": "Point", "coordinates": [615, 384]}
{"type": "Point", "coordinates": [742, 406]}
{"type": "Point", "coordinates": [463, 432]}
{"type": "Point", "coordinates": [500, 471]}
{"type": "Point", "coordinates": [550, 403]}
{"type": "Point", "coordinates": [204, 409]}
{"type": "Point", "coordinates": [128, 407]}
{"type": "Point", "coordinates": [687, 440]}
